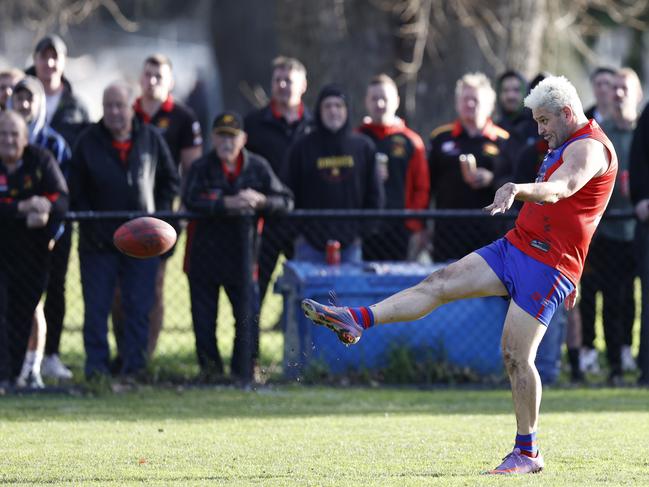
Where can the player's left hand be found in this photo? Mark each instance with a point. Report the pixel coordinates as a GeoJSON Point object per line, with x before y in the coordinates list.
{"type": "Point", "coordinates": [503, 200]}
{"type": "Point", "coordinates": [571, 300]}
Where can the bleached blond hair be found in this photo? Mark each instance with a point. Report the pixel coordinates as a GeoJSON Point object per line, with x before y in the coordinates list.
{"type": "Point", "coordinates": [554, 93]}
{"type": "Point", "coordinates": [480, 82]}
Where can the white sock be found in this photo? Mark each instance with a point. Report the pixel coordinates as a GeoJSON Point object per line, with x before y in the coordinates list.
{"type": "Point", "coordinates": [38, 360]}
{"type": "Point", "coordinates": [28, 363]}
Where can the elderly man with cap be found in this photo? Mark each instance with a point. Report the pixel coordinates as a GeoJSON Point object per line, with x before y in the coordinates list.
{"type": "Point", "coordinates": [67, 115]}
{"type": "Point", "coordinates": [119, 164]}
{"type": "Point", "coordinates": [33, 201]}
{"type": "Point", "coordinates": [228, 180]}
{"type": "Point", "coordinates": [28, 99]}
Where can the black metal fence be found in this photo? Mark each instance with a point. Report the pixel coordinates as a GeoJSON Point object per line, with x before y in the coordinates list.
{"type": "Point", "coordinates": [112, 325]}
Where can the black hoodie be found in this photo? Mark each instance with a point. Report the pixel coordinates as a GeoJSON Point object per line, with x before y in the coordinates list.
{"type": "Point", "coordinates": [333, 170]}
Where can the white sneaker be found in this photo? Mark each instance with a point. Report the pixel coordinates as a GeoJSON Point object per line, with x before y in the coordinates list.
{"type": "Point", "coordinates": [33, 380]}
{"type": "Point", "coordinates": [589, 361]}
{"type": "Point", "coordinates": [628, 363]}
{"type": "Point", "coordinates": [53, 367]}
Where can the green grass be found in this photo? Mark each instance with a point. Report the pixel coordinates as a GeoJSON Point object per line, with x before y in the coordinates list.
{"type": "Point", "coordinates": [318, 437]}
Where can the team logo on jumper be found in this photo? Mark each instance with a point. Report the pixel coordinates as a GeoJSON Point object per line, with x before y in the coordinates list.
{"type": "Point", "coordinates": [332, 166]}
{"type": "Point", "coordinates": [450, 147]}
{"type": "Point", "coordinates": [398, 147]}
{"type": "Point", "coordinates": [163, 124]}
{"type": "Point", "coordinates": [490, 149]}
{"type": "Point", "coordinates": [542, 246]}
{"type": "Point", "coordinates": [27, 182]}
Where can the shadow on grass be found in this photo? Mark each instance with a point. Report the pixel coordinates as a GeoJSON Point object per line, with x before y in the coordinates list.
{"type": "Point", "coordinates": [216, 403]}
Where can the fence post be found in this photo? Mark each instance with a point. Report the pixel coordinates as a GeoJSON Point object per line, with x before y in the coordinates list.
{"type": "Point", "coordinates": [249, 325]}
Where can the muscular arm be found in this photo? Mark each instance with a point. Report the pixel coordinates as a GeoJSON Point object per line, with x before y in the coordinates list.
{"type": "Point", "coordinates": [583, 160]}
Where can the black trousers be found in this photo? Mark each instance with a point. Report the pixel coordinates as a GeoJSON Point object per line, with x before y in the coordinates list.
{"type": "Point", "coordinates": [55, 300]}
{"type": "Point", "coordinates": [642, 242]}
{"type": "Point", "coordinates": [244, 297]}
{"type": "Point", "coordinates": [610, 268]}
{"type": "Point", "coordinates": [23, 271]}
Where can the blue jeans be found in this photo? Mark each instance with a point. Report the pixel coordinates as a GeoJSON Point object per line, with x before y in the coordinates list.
{"type": "Point", "coordinates": [100, 272]}
{"type": "Point", "coordinates": [548, 356]}
{"type": "Point", "coordinates": [352, 254]}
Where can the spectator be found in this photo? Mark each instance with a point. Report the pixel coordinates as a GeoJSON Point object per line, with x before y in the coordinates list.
{"type": "Point", "coordinates": [403, 170]}
{"type": "Point", "coordinates": [227, 180]}
{"type": "Point", "coordinates": [271, 131]}
{"type": "Point", "coordinates": [65, 112]}
{"type": "Point", "coordinates": [611, 264]}
{"type": "Point", "coordinates": [31, 187]}
{"type": "Point", "coordinates": [332, 168]}
{"type": "Point", "coordinates": [182, 133]}
{"type": "Point", "coordinates": [639, 186]}
{"type": "Point", "coordinates": [118, 164]}
{"type": "Point", "coordinates": [511, 89]}
{"type": "Point", "coordinates": [515, 118]}
{"type": "Point", "coordinates": [68, 116]}
{"type": "Point", "coordinates": [465, 163]}
{"type": "Point", "coordinates": [601, 81]}
{"type": "Point", "coordinates": [28, 99]}
{"type": "Point", "coordinates": [8, 78]}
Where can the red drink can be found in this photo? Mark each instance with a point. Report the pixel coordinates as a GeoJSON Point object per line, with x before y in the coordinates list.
{"type": "Point", "coordinates": [623, 178]}
{"type": "Point", "coordinates": [333, 252]}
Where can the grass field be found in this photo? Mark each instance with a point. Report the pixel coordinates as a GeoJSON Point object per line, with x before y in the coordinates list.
{"type": "Point", "coordinates": [318, 437]}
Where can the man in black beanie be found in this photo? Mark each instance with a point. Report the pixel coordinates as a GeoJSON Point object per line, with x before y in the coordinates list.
{"type": "Point", "coordinates": [333, 168]}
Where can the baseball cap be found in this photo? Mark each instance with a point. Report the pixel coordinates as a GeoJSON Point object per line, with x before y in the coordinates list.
{"type": "Point", "coordinates": [54, 42]}
{"type": "Point", "coordinates": [228, 123]}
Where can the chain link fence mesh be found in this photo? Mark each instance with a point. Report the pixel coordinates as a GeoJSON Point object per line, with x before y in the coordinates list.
{"type": "Point", "coordinates": [457, 342]}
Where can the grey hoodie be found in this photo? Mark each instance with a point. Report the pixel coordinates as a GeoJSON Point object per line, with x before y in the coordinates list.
{"type": "Point", "coordinates": [34, 86]}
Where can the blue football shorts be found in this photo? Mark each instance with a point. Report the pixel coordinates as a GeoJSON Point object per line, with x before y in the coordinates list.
{"type": "Point", "coordinates": [536, 287]}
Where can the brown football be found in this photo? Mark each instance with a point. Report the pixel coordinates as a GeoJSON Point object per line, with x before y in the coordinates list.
{"type": "Point", "coordinates": [144, 237]}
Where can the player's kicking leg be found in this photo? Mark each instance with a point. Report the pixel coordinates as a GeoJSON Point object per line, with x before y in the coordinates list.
{"type": "Point", "coordinates": [469, 277]}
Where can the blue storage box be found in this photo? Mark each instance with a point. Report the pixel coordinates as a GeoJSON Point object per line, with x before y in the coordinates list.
{"type": "Point", "coordinates": [466, 332]}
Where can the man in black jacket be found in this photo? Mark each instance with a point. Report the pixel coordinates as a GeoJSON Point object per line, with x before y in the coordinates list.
{"type": "Point", "coordinates": [271, 131]}
{"type": "Point", "coordinates": [32, 187]}
{"type": "Point", "coordinates": [228, 181]}
{"type": "Point", "coordinates": [65, 112]}
{"type": "Point", "coordinates": [118, 164]}
{"type": "Point", "coordinates": [333, 168]}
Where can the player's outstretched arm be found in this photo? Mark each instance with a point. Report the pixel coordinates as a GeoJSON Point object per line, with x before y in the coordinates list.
{"type": "Point", "coordinates": [583, 160]}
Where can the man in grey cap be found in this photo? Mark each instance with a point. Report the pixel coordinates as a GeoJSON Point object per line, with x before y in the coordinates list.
{"type": "Point", "coordinates": [65, 112]}
{"type": "Point", "coordinates": [67, 115]}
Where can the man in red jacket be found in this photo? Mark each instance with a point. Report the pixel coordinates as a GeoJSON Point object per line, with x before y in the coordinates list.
{"type": "Point", "coordinates": [403, 168]}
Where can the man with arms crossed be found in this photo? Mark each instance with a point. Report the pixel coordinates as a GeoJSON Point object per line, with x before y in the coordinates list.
{"type": "Point", "coordinates": [537, 264]}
